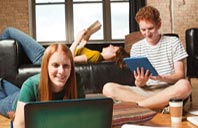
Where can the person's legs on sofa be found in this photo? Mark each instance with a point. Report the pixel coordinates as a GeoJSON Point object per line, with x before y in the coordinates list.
{"type": "Point", "coordinates": [31, 47]}
{"type": "Point", "coordinates": [6, 104]}
{"type": "Point", "coordinates": [8, 87]}
{"type": "Point", "coordinates": [8, 97]}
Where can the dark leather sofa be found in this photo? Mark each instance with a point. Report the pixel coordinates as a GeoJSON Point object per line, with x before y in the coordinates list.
{"type": "Point", "coordinates": [16, 68]}
{"type": "Point", "coordinates": [192, 50]}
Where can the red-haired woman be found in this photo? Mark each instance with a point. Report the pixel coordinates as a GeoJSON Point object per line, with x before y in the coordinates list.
{"type": "Point", "coordinates": [56, 81]}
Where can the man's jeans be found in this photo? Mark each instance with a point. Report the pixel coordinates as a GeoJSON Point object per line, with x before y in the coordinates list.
{"type": "Point", "coordinates": [8, 97]}
{"type": "Point", "coordinates": [31, 47]}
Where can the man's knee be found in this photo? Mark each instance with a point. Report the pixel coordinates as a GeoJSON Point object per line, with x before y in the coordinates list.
{"type": "Point", "coordinates": [108, 89]}
{"type": "Point", "coordinates": [185, 88]}
{"type": "Point", "coordinates": [186, 85]}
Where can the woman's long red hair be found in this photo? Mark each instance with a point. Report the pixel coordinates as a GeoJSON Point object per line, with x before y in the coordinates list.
{"type": "Point", "coordinates": [45, 93]}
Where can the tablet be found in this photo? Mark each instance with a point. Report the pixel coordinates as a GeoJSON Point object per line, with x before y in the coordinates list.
{"type": "Point", "coordinates": [134, 62]}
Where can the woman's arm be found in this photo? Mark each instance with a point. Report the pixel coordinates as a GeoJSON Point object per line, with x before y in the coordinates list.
{"type": "Point", "coordinates": [80, 58]}
{"type": "Point", "coordinates": [77, 42]}
{"type": "Point", "coordinates": [19, 116]}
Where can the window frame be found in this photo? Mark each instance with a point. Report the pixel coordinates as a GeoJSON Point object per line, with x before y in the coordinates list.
{"type": "Point", "coordinates": [69, 23]}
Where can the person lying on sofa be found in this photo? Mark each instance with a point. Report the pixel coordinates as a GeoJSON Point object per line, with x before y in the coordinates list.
{"type": "Point", "coordinates": [166, 54]}
{"type": "Point", "coordinates": [34, 50]}
{"type": "Point", "coordinates": [83, 54]}
{"type": "Point", "coordinates": [56, 81]}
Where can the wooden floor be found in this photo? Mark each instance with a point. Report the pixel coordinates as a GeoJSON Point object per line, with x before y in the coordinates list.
{"type": "Point", "coordinates": [5, 123]}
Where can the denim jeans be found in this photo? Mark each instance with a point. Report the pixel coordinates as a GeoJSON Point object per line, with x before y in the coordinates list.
{"type": "Point", "coordinates": [8, 97]}
{"type": "Point", "coordinates": [31, 47]}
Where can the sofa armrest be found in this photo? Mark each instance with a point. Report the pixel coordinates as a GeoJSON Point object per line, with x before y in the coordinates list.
{"type": "Point", "coordinates": [8, 60]}
{"type": "Point", "coordinates": [25, 71]}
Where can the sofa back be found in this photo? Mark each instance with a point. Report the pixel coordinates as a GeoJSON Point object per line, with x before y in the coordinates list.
{"type": "Point", "coordinates": [95, 75]}
{"type": "Point", "coordinates": [16, 68]}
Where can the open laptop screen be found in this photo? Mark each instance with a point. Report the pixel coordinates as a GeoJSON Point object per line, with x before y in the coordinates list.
{"type": "Point", "coordinates": [78, 113]}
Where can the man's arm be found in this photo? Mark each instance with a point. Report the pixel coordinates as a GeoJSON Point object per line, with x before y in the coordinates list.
{"type": "Point", "coordinates": [173, 78]}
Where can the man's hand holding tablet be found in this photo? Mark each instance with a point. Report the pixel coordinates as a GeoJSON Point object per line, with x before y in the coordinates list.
{"type": "Point", "coordinates": [139, 62]}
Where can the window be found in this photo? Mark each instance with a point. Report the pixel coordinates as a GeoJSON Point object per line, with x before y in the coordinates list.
{"type": "Point", "coordinates": [119, 19]}
{"type": "Point", "coordinates": [85, 13]}
{"type": "Point", "coordinates": [61, 20]}
{"type": "Point", "coordinates": [50, 23]}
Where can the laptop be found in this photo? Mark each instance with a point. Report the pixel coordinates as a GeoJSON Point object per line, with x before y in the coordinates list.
{"type": "Point", "coordinates": [75, 113]}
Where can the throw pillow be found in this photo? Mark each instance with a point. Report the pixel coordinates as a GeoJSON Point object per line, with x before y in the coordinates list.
{"type": "Point", "coordinates": [130, 113]}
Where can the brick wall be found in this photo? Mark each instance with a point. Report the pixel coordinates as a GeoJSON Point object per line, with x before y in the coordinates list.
{"type": "Point", "coordinates": [15, 13]}
{"type": "Point", "coordinates": [185, 15]}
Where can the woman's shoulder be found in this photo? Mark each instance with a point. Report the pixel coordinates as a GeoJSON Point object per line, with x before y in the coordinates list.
{"type": "Point", "coordinates": [33, 79]}
{"type": "Point", "coordinates": [29, 89]}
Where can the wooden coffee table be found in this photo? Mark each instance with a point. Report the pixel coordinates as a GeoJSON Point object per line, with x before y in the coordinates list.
{"type": "Point", "coordinates": [164, 120]}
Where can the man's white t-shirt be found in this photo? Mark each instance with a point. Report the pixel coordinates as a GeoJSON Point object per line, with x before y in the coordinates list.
{"type": "Point", "coordinates": [162, 56]}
